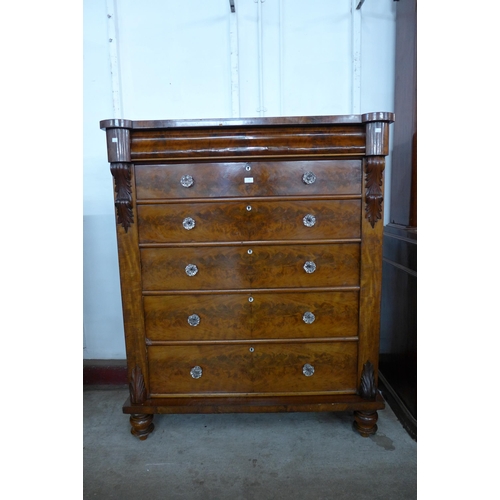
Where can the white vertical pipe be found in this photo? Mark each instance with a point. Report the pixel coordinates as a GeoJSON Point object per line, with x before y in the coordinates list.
{"type": "Point", "coordinates": [356, 58]}
{"type": "Point", "coordinates": [235, 82]}
{"type": "Point", "coordinates": [281, 57]}
{"type": "Point", "coordinates": [113, 58]}
{"type": "Point", "coordinates": [261, 59]}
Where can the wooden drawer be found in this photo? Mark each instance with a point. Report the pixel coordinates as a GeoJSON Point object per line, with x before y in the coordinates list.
{"type": "Point", "coordinates": [269, 316]}
{"type": "Point", "coordinates": [259, 178]}
{"type": "Point", "coordinates": [240, 221]}
{"type": "Point", "coordinates": [221, 316]}
{"type": "Point", "coordinates": [259, 368]}
{"type": "Point", "coordinates": [257, 266]}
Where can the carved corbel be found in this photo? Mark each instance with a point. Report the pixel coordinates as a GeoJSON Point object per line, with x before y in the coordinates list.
{"type": "Point", "coordinates": [118, 142]}
{"type": "Point", "coordinates": [137, 387]}
{"type": "Point", "coordinates": [367, 387]}
{"type": "Point", "coordinates": [374, 196]}
{"type": "Point", "coordinates": [377, 148]}
{"type": "Point", "coordinates": [123, 194]}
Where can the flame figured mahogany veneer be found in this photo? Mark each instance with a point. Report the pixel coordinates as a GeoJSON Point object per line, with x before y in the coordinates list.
{"type": "Point", "coordinates": [250, 263]}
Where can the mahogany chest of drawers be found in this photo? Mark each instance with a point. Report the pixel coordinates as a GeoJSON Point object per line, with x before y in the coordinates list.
{"type": "Point", "coordinates": [250, 263]}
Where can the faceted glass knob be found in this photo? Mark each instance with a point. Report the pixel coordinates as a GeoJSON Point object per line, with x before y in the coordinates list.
{"type": "Point", "coordinates": [309, 267]}
{"type": "Point", "coordinates": [187, 181]}
{"type": "Point", "coordinates": [308, 318]}
{"type": "Point", "coordinates": [309, 220]}
{"type": "Point", "coordinates": [188, 223]}
{"type": "Point", "coordinates": [308, 370]}
{"type": "Point", "coordinates": [194, 320]}
{"type": "Point", "coordinates": [196, 372]}
{"type": "Point", "coordinates": [309, 178]}
{"type": "Point", "coordinates": [191, 269]}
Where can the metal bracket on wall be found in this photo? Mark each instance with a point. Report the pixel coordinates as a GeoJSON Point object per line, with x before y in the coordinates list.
{"type": "Point", "coordinates": [231, 4]}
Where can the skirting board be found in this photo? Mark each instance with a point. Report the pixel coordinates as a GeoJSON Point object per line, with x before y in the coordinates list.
{"type": "Point", "coordinates": [398, 407]}
{"type": "Point", "coordinates": [104, 372]}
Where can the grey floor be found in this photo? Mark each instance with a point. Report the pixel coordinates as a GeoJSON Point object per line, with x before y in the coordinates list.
{"type": "Point", "coordinates": [243, 456]}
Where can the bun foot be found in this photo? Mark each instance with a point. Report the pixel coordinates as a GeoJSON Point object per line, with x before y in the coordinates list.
{"type": "Point", "coordinates": [365, 422]}
{"type": "Point", "coordinates": [142, 425]}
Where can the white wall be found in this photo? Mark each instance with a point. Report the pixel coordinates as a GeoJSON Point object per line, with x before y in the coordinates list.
{"type": "Point", "coordinates": [194, 59]}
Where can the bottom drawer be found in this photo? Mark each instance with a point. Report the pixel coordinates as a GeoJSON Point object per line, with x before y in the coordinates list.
{"type": "Point", "coordinates": [253, 368]}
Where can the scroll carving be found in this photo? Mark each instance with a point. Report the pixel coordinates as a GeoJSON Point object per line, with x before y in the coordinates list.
{"type": "Point", "coordinates": [367, 388]}
{"type": "Point", "coordinates": [137, 387]}
{"type": "Point", "coordinates": [123, 194]}
{"type": "Point", "coordinates": [374, 167]}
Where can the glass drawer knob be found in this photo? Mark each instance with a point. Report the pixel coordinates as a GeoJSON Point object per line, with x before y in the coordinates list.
{"type": "Point", "coordinates": [308, 370]}
{"type": "Point", "coordinates": [194, 320]}
{"type": "Point", "coordinates": [188, 223]}
{"type": "Point", "coordinates": [309, 267]}
{"type": "Point", "coordinates": [309, 220]}
{"type": "Point", "coordinates": [191, 269]}
{"type": "Point", "coordinates": [196, 372]}
{"type": "Point", "coordinates": [187, 181]}
{"type": "Point", "coordinates": [309, 178]}
{"type": "Point", "coordinates": [308, 318]}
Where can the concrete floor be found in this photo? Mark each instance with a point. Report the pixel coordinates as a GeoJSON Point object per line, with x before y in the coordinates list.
{"type": "Point", "coordinates": [243, 456]}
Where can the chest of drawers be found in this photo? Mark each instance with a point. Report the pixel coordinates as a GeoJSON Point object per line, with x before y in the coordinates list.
{"type": "Point", "coordinates": [250, 263]}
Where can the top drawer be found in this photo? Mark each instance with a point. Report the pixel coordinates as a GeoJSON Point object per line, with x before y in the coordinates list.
{"type": "Point", "coordinates": [261, 178]}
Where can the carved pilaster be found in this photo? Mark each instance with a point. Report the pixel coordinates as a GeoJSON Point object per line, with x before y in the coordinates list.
{"type": "Point", "coordinates": [123, 194]}
{"type": "Point", "coordinates": [137, 387]}
{"type": "Point", "coordinates": [374, 195]}
{"type": "Point", "coordinates": [367, 387]}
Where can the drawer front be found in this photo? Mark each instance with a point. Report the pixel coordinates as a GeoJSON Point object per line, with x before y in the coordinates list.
{"type": "Point", "coordinates": [275, 178]}
{"type": "Point", "coordinates": [237, 221]}
{"type": "Point", "coordinates": [266, 266]}
{"type": "Point", "coordinates": [198, 317]}
{"type": "Point", "coordinates": [267, 316]}
{"type": "Point", "coordinates": [304, 315]}
{"type": "Point", "coordinates": [253, 368]}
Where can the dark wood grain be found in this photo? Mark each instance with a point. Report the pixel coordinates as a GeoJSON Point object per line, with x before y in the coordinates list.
{"type": "Point", "coordinates": [268, 316]}
{"type": "Point", "coordinates": [270, 368]}
{"type": "Point", "coordinates": [370, 292]}
{"type": "Point", "coordinates": [230, 267]}
{"type": "Point", "coordinates": [303, 121]}
{"type": "Point", "coordinates": [256, 404]}
{"type": "Point", "coordinates": [270, 178]}
{"type": "Point", "coordinates": [374, 168]}
{"type": "Point", "coordinates": [269, 141]}
{"type": "Point", "coordinates": [131, 292]}
{"type": "Point", "coordinates": [249, 243]}
{"type": "Point", "coordinates": [123, 194]}
{"type": "Point", "coordinates": [221, 317]}
{"type": "Point", "coordinates": [232, 221]}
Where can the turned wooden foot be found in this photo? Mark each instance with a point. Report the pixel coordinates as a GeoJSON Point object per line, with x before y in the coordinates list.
{"type": "Point", "coordinates": [365, 422]}
{"type": "Point", "coordinates": [142, 425]}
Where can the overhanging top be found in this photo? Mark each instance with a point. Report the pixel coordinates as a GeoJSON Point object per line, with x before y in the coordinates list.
{"type": "Point", "coordinates": [238, 122]}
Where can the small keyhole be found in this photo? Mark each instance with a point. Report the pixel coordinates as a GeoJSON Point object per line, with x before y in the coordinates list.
{"type": "Point", "coordinates": [251, 349]}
